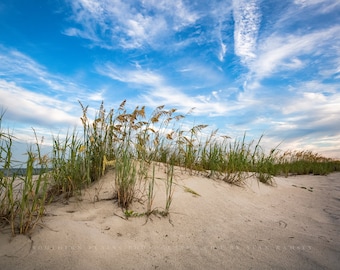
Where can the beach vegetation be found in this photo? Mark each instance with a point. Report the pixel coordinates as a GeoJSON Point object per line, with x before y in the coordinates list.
{"type": "Point", "coordinates": [133, 143]}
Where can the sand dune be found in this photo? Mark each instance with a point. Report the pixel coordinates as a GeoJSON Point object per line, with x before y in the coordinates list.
{"type": "Point", "coordinates": [295, 225]}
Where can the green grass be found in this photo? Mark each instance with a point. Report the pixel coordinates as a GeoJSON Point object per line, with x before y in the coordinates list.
{"type": "Point", "coordinates": [304, 162]}
{"type": "Point", "coordinates": [135, 143]}
{"type": "Point", "coordinates": [23, 197]}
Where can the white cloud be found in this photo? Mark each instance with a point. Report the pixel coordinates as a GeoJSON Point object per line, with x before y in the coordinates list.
{"type": "Point", "coordinates": [137, 76]}
{"type": "Point", "coordinates": [121, 23]}
{"type": "Point", "coordinates": [24, 106]}
{"type": "Point", "coordinates": [176, 10]}
{"type": "Point", "coordinates": [277, 53]}
{"type": "Point", "coordinates": [157, 24]}
{"type": "Point", "coordinates": [18, 67]}
{"type": "Point", "coordinates": [13, 62]}
{"type": "Point", "coordinates": [314, 86]}
{"type": "Point", "coordinates": [155, 91]}
{"type": "Point", "coordinates": [322, 6]}
{"type": "Point", "coordinates": [222, 50]}
{"type": "Point", "coordinates": [247, 19]}
{"type": "Point", "coordinates": [204, 105]}
{"type": "Point", "coordinates": [97, 96]}
{"type": "Point", "coordinates": [33, 97]}
{"type": "Point", "coordinates": [305, 3]}
{"type": "Point", "coordinates": [27, 73]}
{"type": "Point", "coordinates": [307, 121]}
{"type": "Point", "coordinates": [310, 104]}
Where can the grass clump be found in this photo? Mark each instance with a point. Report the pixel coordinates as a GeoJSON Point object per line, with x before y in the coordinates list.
{"type": "Point", "coordinates": [305, 162]}
{"type": "Point", "coordinates": [68, 170]}
{"type": "Point", "coordinates": [22, 197]}
{"type": "Point", "coordinates": [32, 195]}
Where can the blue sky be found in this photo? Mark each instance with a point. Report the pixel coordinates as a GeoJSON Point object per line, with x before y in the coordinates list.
{"type": "Point", "coordinates": [262, 67]}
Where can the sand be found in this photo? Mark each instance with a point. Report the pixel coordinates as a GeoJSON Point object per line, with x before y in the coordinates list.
{"type": "Point", "coordinates": [294, 225]}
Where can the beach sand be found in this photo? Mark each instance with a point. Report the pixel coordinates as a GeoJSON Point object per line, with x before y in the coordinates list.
{"type": "Point", "coordinates": [294, 225]}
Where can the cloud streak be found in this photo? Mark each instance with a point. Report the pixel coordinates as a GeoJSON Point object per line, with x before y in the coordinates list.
{"type": "Point", "coordinates": [282, 53]}
{"type": "Point", "coordinates": [31, 95]}
{"type": "Point", "coordinates": [155, 25]}
{"type": "Point", "coordinates": [27, 73]}
{"type": "Point", "coordinates": [121, 23]}
{"type": "Point", "coordinates": [25, 106]}
{"type": "Point", "coordinates": [155, 90]}
{"type": "Point", "coordinates": [247, 19]}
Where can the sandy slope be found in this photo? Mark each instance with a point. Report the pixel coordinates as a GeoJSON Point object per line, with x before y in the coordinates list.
{"type": "Point", "coordinates": [295, 225]}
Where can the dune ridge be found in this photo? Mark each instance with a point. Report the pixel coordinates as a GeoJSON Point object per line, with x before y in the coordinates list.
{"type": "Point", "coordinates": [212, 225]}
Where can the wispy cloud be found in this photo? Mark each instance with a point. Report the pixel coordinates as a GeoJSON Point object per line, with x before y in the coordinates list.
{"type": "Point", "coordinates": [32, 95]}
{"type": "Point", "coordinates": [281, 53]}
{"type": "Point", "coordinates": [136, 76]}
{"type": "Point", "coordinates": [24, 106]}
{"type": "Point", "coordinates": [107, 23]}
{"type": "Point", "coordinates": [26, 72]}
{"type": "Point", "coordinates": [154, 89]}
{"type": "Point", "coordinates": [306, 3]}
{"type": "Point", "coordinates": [322, 6]}
{"type": "Point", "coordinates": [310, 111]}
{"type": "Point", "coordinates": [157, 25]}
{"type": "Point", "coordinates": [302, 116]}
{"type": "Point", "coordinates": [289, 44]}
{"type": "Point", "coordinates": [247, 19]}
{"type": "Point", "coordinates": [200, 75]}
{"type": "Point", "coordinates": [222, 47]}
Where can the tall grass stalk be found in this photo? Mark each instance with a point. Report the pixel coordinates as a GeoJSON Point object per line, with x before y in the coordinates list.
{"type": "Point", "coordinates": [150, 192]}
{"type": "Point", "coordinates": [125, 179]}
{"type": "Point", "coordinates": [169, 191]}
{"type": "Point", "coordinates": [8, 201]}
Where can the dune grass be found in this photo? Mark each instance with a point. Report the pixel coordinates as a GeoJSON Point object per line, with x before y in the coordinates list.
{"type": "Point", "coordinates": [133, 144]}
{"type": "Point", "coordinates": [22, 197]}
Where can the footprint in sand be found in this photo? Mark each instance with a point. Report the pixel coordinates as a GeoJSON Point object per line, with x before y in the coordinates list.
{"type": "Point", "coordinates": [324, 238]}
{"type": "Point", "coordinates": [283, 224]}
{"type": "Point", "coordinates": [332, 212]}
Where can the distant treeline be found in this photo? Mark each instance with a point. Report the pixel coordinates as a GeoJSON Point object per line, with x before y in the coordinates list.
{"type": "Point", "coordinates": [20, 171]}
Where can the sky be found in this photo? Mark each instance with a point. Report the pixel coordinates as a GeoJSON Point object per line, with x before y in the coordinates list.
{"type": "Point", "coordinates": [265, 67]}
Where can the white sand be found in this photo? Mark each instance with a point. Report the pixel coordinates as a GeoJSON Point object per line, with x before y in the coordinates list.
{"type": "Point", "coordinates": [226, 227]}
